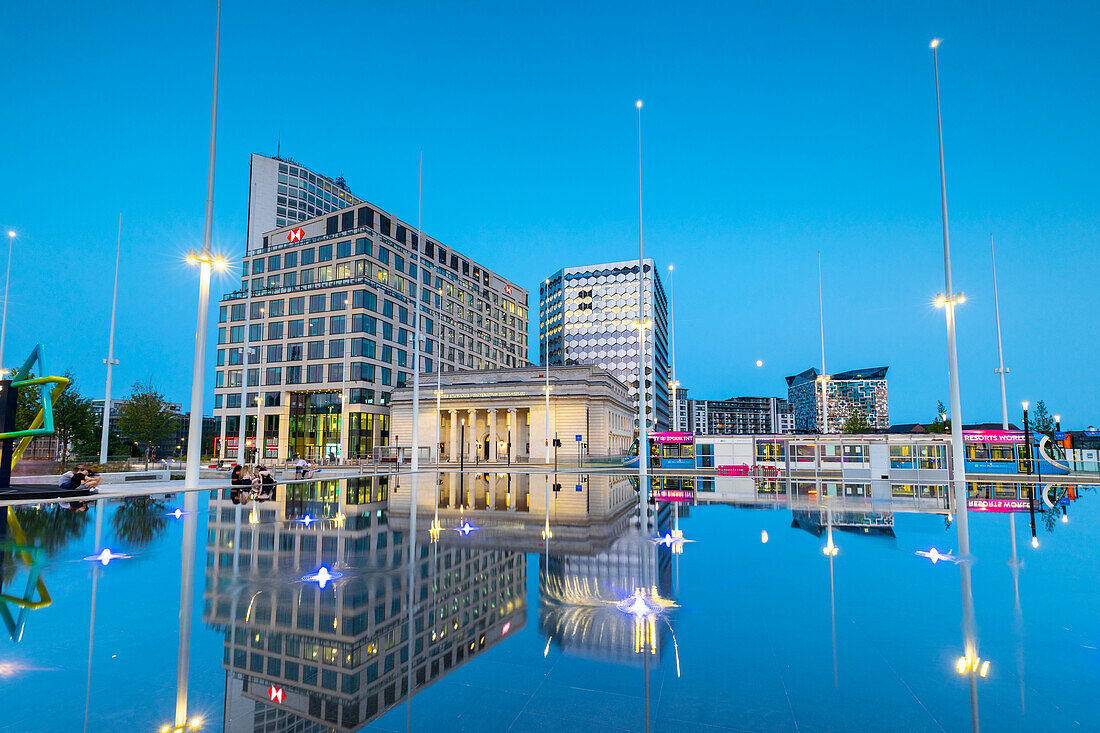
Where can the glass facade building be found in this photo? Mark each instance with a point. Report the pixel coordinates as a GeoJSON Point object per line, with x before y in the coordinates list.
{"type": "Point", "coordinates": [587, 315]}
{"type": "Point", "coordinates": [860, 391]}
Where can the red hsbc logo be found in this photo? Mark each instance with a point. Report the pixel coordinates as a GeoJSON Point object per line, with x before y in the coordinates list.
{"type": "Point", "coordinates": [294, 235]}
{"type": "Point", "coordinates": [276, 693]}
{"type": "Point", "coordinates": [508, 289]}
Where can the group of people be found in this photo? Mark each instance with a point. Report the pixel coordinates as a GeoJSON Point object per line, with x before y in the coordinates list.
{"type": "Point", "coordinates": [260, 483]}
{"type": "Point", "coordinates": [304, 469]}
{"type": "Point", "coordinates": [79, 477]}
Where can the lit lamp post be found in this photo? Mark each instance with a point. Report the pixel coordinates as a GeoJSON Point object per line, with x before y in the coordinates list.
{"type": "Point", "coordinates": [4, 321]}
{"type": "Point", "coordinates": [948, 300]}
{"type": "Point", "coordinates": [643, 437]}
{"type": "Point", "coordinates": [206, 261]}
{"type": "Point", "coordinates": [1028, 469]}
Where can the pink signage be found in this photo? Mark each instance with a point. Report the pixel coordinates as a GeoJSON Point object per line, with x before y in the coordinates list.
{"type": "Point", "coordinates": [744, 469]}
{"type": "Point", "coordinates": [993, 436]}
{"type": "Point", "coordinates": [671, 437]}
{"type": "Point", "coordinates": [672, 495]}
{"type": "Point", "coordinates": [998, 505]}
{"type": "Point", "coordinates": [738, 469]}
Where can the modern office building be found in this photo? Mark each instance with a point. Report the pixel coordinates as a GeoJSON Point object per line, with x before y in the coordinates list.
{"type": "Point", "coordinates": [500, 415]}
{"type": "Point", "coordinates": [283, 192]}
{"type": "Point", "coordinates": [860, 391]}
{"type": "Point", "coordinates": [588, 315]}
{"type": "Point", "coordinates": [325, 312]}
{"type": "Point", "coordinates": [739, 416]}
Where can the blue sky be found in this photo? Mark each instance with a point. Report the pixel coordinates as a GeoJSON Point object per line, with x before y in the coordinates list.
{"type": "Point", "coordinates": [772, 131]}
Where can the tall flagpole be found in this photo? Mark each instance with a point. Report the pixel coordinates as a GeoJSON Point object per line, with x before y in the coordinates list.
{"type": "Point", "coordinates": [824, 378]}
{"type": "Point", "coordinates": [1001, 370]}
{"type": "Point", "coordinates": [672, 355]}
{"type": "Point", "coordinates": [110, 361]}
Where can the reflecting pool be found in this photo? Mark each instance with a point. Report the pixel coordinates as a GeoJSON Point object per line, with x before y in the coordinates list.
{"type": "Point", "coordinates": [528, 601]}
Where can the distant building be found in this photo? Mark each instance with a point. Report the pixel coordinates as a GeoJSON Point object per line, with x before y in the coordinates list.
{"type": "Point", "coordinates": [739, 416]}
{"type": "Point", "coordinates": [681, 421]}
{"type": "Point", "coordinates": [860, 391]}
{"type": "Point", "coordinates": [587, 316]}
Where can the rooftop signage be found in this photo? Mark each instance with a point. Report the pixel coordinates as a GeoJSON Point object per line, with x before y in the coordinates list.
{"type": "Point", "coordinates": [295, 235]}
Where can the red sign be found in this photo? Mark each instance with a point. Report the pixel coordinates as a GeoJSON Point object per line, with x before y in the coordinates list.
{"type": "Point", "coordinates": [275, 693]}
{"type": "Point", "coordinates": [508, 289]}
{"type": "Point", "coordinates": [294, 235]}
{"type": "Point", "coordinates": [998, 505]}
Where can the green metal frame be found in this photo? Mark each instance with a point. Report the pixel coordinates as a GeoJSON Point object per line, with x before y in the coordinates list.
{"type": "Point", "coordinates": [45, 415]}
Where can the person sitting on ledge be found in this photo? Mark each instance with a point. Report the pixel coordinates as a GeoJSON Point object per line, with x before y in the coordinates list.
{"type": "Point", "coordinates": [239, 478]}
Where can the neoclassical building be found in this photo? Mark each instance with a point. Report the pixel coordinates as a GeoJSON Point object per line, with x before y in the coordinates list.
{"type": "Point", "coordinates": [500, 415]}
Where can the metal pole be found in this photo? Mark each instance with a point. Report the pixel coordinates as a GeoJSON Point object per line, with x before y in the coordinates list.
{"type": "Point", "coordinates": [821, 319]}
{"type": "Point", "coordinates": [1001, 371]}
{"type": "Point", "coordinates": [438, 411]}
{"type": "Point", "coordinates": [672, 353]}
{"type": "Point", "coordinates": [416, 349]}
{"type": "Point", "coordinates": [244, 374]}
{"type": "Point", "coordinates": [194, 428]}
{"type": "Point", "coordinates": [4, 321]}
{"type": "Point", "coordinates": [958, 458]}
{"type": "Point", "coordinates": [547, 390]}
{"type": "Point", "coordinates": [643, 437]}
{"type": "Point", "coordinates": [110, 361]}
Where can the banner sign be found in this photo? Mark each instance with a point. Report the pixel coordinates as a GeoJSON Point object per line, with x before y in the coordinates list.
{"type": "Point", "coordinates": [680, 495]}
{"type": "Point", "coordinates": [998, 505]}
{"type": "Point", "coordinates": [744, 469]}
{"type": "Point", "coordinates": [672, 437]}
{"type": "Point", "coordinates": [993, 436]}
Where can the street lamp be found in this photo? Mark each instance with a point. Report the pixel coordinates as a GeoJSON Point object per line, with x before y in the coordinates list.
{"type": "Point", "coordinates": [1057, 423]}
{"type": "Point", "coordinates": [643, 437]}
{"type": "Point", "coordinates": [4, 322]}
{"type": "Point", "coordinates": [949, 300]}
{"type": "Point", "coordinates": [1031, 488]}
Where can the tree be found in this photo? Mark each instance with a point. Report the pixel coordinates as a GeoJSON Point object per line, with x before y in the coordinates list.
{"type": "Point", "coordinates": [940, 424]}
{"type": "Point", "coordinates": [74, 419]}
{"type": "Point", "coordinates": [1040, 420]}
{"type": "Point", "coordinates": [144, 417]}
{"type": "Point", "coordinates": [139, 520]}
{"type": "Point", "coordinates": [856, 424]}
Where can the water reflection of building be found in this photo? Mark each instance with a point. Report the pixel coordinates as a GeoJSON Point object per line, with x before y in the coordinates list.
{"type": "Point", "coordinates": [578, 595]}
{"type": "Point", "coordinates": [587, 512]}
{"type": "Point", "coordinates": [338, 656]}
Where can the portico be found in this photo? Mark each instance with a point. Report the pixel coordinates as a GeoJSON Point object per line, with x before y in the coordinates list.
{"type": "Point", "coordinates": [499, 416]}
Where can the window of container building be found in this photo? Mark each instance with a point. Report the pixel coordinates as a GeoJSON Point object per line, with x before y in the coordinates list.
{"type": "Point", "coordinates": [363, 246]}
{"type": "Point", "coordinates": [307, 256]}
{"type": "Point", "coordinates": [399, 235]}
{"type": "Point", "coordinates": [384, 225]}
{"type": "Point", "coordinates": [273, 262]}
{"type": "Point", "coordinates": [324, 253]}
{"type": "Point", "coordinates": [343, 249]}
{"type": "Point", "coordinates": [297, 306]}
{"type": "Point", "coordinates": [290, 259]}
{"type": "Point", "coordinates": [347, 220]}
{"type": "Point", "coordinates": [317, 303]}
{"type": "Point", "coordinates": [332, 225]}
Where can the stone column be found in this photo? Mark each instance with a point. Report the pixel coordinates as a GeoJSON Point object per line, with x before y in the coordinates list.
{"type": "Point", "coordinates": [513, 432]}
{"type": "Point", "coordinates": [492, 434]}
{"type": "Point", "coordinates": [471, 435]}
{"type": "Point", "coordinates": [452, 443]}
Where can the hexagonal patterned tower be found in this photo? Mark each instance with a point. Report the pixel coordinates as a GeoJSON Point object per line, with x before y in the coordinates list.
{"type": "Point", "coordinates": [587, 315]}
